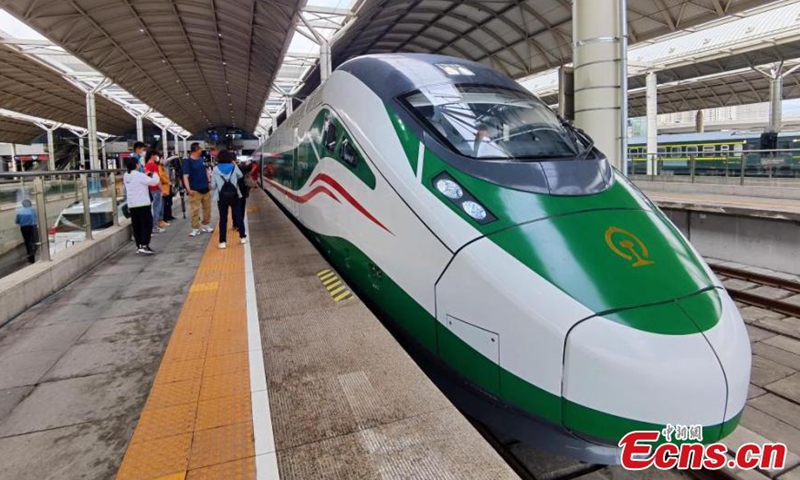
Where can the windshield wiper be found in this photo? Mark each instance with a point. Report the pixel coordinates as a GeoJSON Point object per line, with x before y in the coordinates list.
{"type": "Point", "coordinates": [580, 137]}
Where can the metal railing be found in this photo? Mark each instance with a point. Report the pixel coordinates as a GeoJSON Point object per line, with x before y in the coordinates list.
{"type": "Point", "coordinates": [770, 164]}
{"type": "Point", "coordinates": [25, 194]}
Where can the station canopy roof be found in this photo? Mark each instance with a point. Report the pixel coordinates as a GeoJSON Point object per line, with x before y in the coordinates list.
{"type": "Point", "coordinates": [31, 88]}
{"type": "Point", "coordinates": [17, 131]}
{"type": "Point", "coordinates": [200, 63]}
{"type": "Point", "coordinates": [519, 37]}
{"type": "Point", "coordinates": [717, 65]}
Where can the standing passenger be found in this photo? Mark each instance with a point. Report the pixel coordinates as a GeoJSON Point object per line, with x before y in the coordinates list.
{"type": "Point", "coordinates": [224, 181]}
{"type": "Point", "coordinates": [138, 196]}
{"type": "Point", "coordinates": [139, 150]}
{"type": "Point", "coordinates": [153, 158]}
{"type": "Point", "coordinates": [196, 181]}
{"type": "Point", "coordinates": [245, 184]}
{"type": "Point", "coordinates": [26, 219]}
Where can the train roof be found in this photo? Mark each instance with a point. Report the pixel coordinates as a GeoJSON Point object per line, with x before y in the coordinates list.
{"type": "Point", "coordinates": [391, 75]}
{"type": "Point", "coordinates": [705, 137]}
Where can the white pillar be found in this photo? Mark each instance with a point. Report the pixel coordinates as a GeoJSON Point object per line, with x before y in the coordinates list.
{"type": "Point", "coordinates": [325, 62]}
{"type": "Point", "coordinates": [776, 102]}
{"type": "Point", "coordinates": [51, 149]}
{"type": "Point", "coordinates": [601, 98]}
{"type": "Point", "coordinates": [700, 122]}
{"type": "Point", "coordinates": [103, 156]}
{"type": "Point", "coordinates": [185, 147]}
{"type": "Point", "coordinates": [13, 158]}
{"type": "Point", "coordinates": [652, 123]}
{"type": "Point", "coordinates": [165, 140]}
{"type": "Point", "coordinates": [139, 128]}
{"type": "Point", "coordinates": [91, 126]}
{"type": "Point", "coordinates": [289, 106]}
{"type": "Point", "coordinates": [176, 148]}
{"type": "Point", "coordinates": [82, 153]}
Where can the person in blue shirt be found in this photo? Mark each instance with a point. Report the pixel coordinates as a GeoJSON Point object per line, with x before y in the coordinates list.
{"type": "Point", "coordinates": [139, 149]}
{"type": "Point", "coordinates": [196, 179]}
{"type": "Point", "coordinates": [26, 219]}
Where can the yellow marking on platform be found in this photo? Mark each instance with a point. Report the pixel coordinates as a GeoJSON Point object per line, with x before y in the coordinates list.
{"type": "Point", "coordinates": [197, 421]}
{"type": "Point", "coordinates": [338, 290]}
{"type": "Point", "coordinates": [343, 296]}
{"type": "Point", "coordinates": [252, 209]}
{"type": "Point", "coordinates": [204, 287]}
{"type": "Point", "coordinates": [174, 476]}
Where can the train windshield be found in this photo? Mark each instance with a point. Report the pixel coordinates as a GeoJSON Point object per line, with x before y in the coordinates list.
{"type": "Point", "coordinates": [492, 123]}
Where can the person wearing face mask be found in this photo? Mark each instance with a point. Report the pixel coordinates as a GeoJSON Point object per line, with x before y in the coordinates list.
{"type": "Point", "coordinates": [153, 159]}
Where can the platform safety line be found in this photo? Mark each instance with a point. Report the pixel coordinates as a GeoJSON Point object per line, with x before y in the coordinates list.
{"type": "Point", "coordinates": [266, 455]}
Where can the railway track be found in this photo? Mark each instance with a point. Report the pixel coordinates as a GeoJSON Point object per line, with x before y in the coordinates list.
{"type": "Point", "coordinates": [750, 298]}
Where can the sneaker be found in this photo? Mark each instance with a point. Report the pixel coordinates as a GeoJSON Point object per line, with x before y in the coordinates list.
{"type": "Point", "coordinates": [207, 229]}
{"type": "Point", "coordinates": [141, 251]}
{"type": "Point", "coordinates": [158, 230]}
{"type": "Point", "coordinates": [223, 246]}
{"type": "Point", "coordinates": [243, 240]}
{"type": "Point", "coordinates": [195, 232]}
{"type": "Point", "coordinates": [146, 251]}
{"type": "Point", "coordinates": [163, 224]}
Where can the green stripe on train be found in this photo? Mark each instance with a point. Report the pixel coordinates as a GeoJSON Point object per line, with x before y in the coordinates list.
{"type": "Point", "coordinates": [360, 271]}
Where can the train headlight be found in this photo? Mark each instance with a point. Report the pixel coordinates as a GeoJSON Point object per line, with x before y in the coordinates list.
{"type": "Point", "coordinates": [450, 189]}
{"type": "Point", "coordinates": [474, 210]}
{"type": "Point", "coordinates": [465, 201]}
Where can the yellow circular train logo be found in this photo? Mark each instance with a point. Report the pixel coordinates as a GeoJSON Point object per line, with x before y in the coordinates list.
{"type": "Point", "coordinates": [628, 246]}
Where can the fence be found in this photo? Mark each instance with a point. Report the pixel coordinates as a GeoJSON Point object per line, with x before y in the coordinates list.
{"type": "Point", "coordinates": [42, 213]}
{"type": "Point", "coordinates": [736, 164]}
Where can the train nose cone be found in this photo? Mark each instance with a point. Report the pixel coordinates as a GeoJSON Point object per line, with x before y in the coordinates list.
{"type": "Point", "coordinates": [618, 379]}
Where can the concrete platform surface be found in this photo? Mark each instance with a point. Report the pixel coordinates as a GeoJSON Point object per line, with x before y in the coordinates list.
{"type": "Point", "coordinates": [771, 208]}
{"type": "Point", "coordinates": [75, 369]}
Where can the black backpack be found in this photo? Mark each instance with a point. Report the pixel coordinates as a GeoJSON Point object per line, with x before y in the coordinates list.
{"type": "Point", "coordinates": [228, 193]}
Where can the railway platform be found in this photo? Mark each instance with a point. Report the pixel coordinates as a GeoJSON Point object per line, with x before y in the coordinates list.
{"type": "Point", "coordinates": [250, 362]}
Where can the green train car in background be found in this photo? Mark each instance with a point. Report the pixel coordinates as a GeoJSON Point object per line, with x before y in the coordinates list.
{"type": "Point", "coordinates": [719, 154]}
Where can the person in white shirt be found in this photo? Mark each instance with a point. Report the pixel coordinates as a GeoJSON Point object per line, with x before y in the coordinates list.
{"type": "Point", "coordinates": [137, 192]}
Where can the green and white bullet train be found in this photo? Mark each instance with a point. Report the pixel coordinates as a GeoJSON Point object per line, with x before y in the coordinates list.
{"type": "Point", "coordinates": [501, 241]}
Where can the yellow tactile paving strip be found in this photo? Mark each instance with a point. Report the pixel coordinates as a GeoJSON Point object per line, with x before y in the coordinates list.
{"type": "Point", "coordinates": [197, 423]}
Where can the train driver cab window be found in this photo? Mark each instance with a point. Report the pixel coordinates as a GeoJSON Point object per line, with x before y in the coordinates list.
{"type": "Point", "coordinates": [348, 154]}
{"type": "Point", "coordinates": [329, 134]}
{"type": "Point", "coordinates": [493, 123]}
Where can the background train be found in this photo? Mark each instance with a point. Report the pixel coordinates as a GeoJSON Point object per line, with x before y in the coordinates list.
{"type": "Point", "coordinates": [720, 154]}
{"type": "Point", "coordinates": [510, 252]}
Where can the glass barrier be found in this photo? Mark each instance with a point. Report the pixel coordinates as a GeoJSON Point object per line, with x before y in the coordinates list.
{"type": "Point", "coordinates": [18, 225]}
{"type": "Point", "coordinates": [65, 224]}
{"type": "Point", "coordinates": [54, 201]}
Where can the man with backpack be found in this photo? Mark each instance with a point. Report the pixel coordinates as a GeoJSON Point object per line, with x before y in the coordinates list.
{"type": "Point", "coordinates": [224, 183]}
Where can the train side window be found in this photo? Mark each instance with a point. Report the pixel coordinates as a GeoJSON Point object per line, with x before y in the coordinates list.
{"type": "Point", "coordinates": [708, 148]}
{"type": "Point", "coordinates": [329, 136]}
{"type": "Point", "coordinates": [691, 149]}
{"type": "Point", "coordinates": [725, 148]}
{"type": "Point", "coordinates": [348, 154]}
